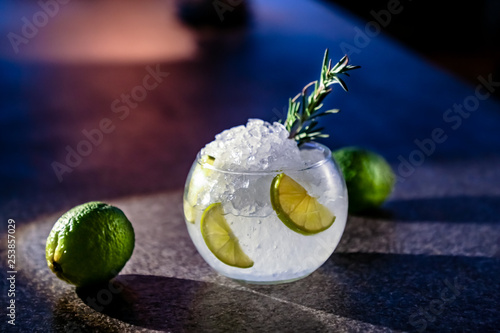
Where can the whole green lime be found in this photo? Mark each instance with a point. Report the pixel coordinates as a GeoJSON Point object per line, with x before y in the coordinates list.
{"type": "Point", "coordinates": [368, 176]}
{"type": "Point", "coordinates": [90, 244]}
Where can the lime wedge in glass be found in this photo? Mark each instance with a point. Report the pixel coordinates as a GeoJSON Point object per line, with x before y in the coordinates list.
{"type": "Point", "coordinates": [220, 238]}
{"type": "Point", "coordinates": [196, 185]}
{"type": "Point", "coordinates": [297, 209]}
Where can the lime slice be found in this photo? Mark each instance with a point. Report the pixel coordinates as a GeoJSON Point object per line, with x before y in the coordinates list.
{"type": "Point", "coordinates": [196, 185]}
{"type": "Point", "coordinates": [220, 238]}
{"type": "Point", "coordinates": [189, 211]}
{"type": "Point", "coordinates": [297, 209]}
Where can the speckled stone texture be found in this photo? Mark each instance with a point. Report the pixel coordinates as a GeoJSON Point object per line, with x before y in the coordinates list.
{"type": "Point", "coordinates": [392, 280]}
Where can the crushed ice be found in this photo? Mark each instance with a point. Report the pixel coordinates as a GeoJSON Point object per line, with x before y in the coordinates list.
{"type": "Point", "coordinates": [258, 146]}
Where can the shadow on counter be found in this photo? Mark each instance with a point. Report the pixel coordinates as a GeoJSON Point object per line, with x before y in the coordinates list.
{"type": "Point", "coordinates": [167, 303]}
{"type": "Point", "coordinates": [456, 209]}
{"type": "Point", "coordinates": [402, 292]}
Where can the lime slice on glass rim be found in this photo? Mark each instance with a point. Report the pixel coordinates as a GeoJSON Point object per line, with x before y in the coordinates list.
{"type": "Point", "coordinates": [220, 238]}
{"type": "Point", "coordinates": [196, 185]}
{"type": "Point", "coordinates": [297, 209]}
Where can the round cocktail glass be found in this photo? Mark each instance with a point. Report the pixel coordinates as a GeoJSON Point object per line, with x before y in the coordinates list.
{"type": "Point", "coordinates": [278, 253]}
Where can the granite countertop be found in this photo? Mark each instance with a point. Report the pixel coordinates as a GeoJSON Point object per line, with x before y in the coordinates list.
{"type": "Point", "coordinates": [428, 260]}
{"type": "Point", "coordinates": [386, 275]}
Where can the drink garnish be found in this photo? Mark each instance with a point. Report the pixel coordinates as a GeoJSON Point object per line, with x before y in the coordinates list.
{"type": "Point", "coordinates": [220, 239]}
{"type": "Point", "coordinates": [297, 209]}
{"type": "Point", "coordinates": [306, 107]}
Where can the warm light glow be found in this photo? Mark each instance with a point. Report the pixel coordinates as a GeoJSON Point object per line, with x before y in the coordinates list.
{"type": "Point", "coordinates": [100, 31]}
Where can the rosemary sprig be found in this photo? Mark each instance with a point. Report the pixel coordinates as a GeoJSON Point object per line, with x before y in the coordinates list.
{"type": "Point", "coordinates": [304, 109]}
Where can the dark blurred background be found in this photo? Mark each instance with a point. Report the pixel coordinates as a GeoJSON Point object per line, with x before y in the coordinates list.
{"type": "Point", "coordinates": [461, 36]}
